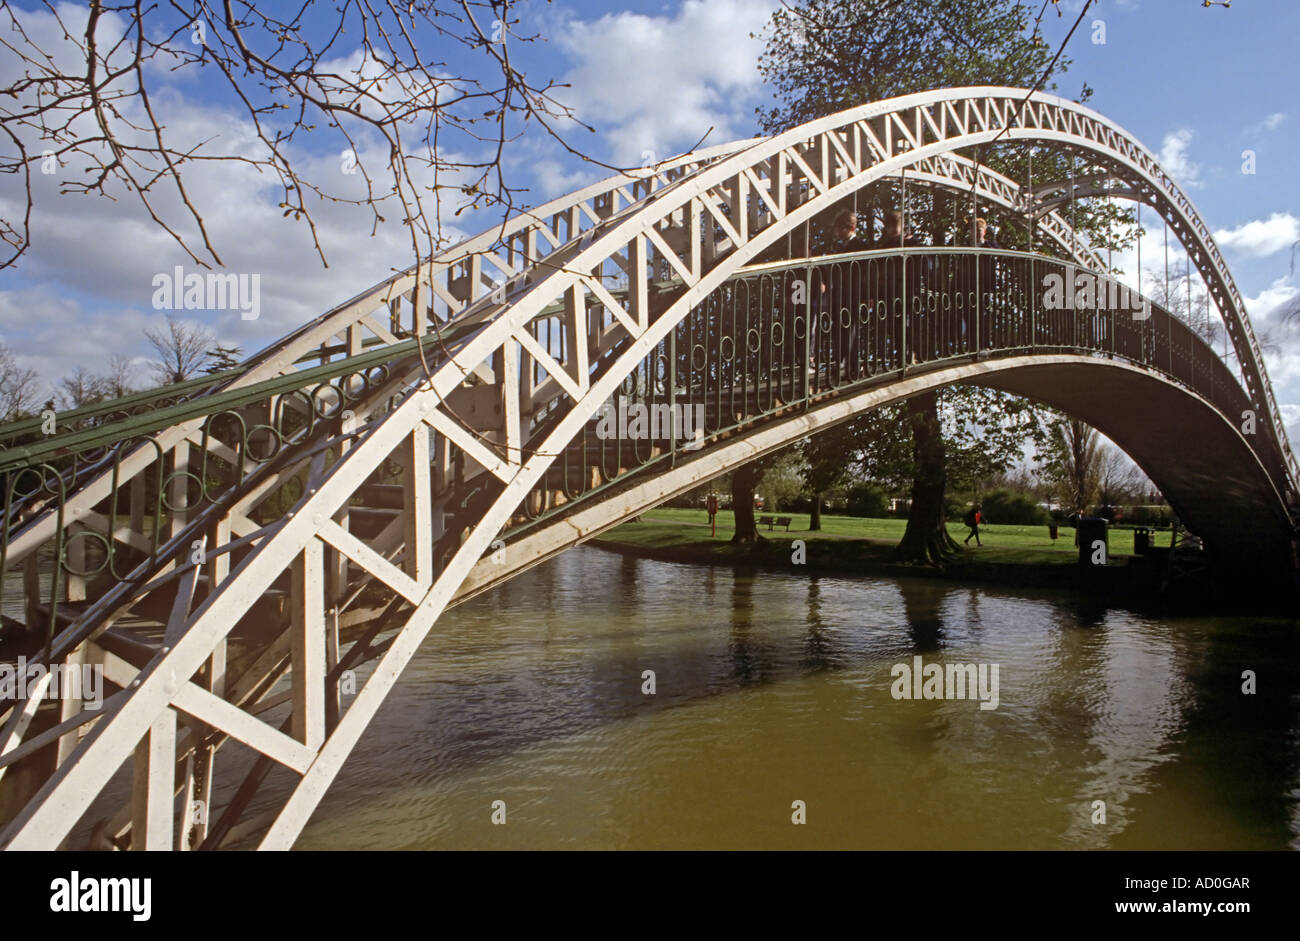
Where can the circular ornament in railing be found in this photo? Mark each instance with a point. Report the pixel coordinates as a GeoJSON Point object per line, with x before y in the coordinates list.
{"type": "Point", "coordinates": [191, 499]}
{"type": "Point", "coordinates": [262, 442]}
{"type": "Point", "coordinates": [92, 538]}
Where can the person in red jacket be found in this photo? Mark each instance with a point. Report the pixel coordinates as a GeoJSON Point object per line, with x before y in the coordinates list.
{"type": "Point", "coordinates": [974, 517]}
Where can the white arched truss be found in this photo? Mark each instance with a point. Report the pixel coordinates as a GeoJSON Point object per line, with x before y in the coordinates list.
{"type": "Point", "coordinates": [703, 226]}
{"type": "Point", "coordinates": [463, 277]}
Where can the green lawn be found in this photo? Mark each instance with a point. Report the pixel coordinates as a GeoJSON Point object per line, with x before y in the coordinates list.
{"type": "Point", "coordinates": [1009, 544]}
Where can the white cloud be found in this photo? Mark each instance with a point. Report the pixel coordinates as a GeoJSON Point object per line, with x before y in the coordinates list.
{"type": "Point", "coordinates": [108, 251]}
{"type": "Point", "coordinates": [1174, 158]}
{"type": "Point", "coordinates": [1261, 237]}
{"type": "Point", "coordinates": [1271, 122]}
{"type": "Point", "coordinates": [555, 180]}
{"type": "Point", "coordinates": [1269, 313]}
{"type": "Point", "coordinates": [1270, 303]}
{"type": "Point", "coordinates": [1152, 254]}
{"type": "Point", "coordinates": [657, 84]}
{"type": "Point", "coordinates": [54, 335]}
{"type": "Point", "coordinates": [83, 290]}
{"type": "Point", "coordinates": [1266, 309]}
{"type": "Point", "coordinates": [1291, 419]}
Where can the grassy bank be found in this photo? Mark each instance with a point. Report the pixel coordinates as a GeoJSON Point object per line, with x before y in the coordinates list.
{"type": "Point", "coordinates": [1002, 543]}
{"type": "Point", "coordinates": [1023, 555]}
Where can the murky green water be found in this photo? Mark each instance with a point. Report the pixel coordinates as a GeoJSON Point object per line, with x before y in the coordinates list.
{"type": "Point", "coordinates": [776, 688]}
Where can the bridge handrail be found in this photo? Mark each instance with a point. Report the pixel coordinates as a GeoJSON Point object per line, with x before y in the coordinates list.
{"type": "Point", "coordinates": [124, 431]}
{"type": "Point", "coordinates": [1180, 356]}
{"type": "Point", "coordinates": [866, 255]}
{"type": "Point", "coordinates": [1225, 391]}
{"type": "Point", "coordinates": [33, 423]}
{"type": "Point", "coordinates": [15, 458]}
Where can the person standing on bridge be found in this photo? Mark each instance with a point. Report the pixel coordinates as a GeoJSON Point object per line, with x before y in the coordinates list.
{"type": "Point", "coordinates": [840, 289]}
{"type": "Point", "coordinates": [833, 287]}
{"type": "Point", "coordinates": [889, 284]}
{"type": "Point", "coordinates": [844, 234]}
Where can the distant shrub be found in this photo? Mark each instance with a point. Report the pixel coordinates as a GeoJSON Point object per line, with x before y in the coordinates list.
{"type": "Point", "coordinates": [801, 504]}
{"type": "Point", "coordinates": [866, 499]}
{"type": "Point", "coordinates": [954, 508]}
{"type": "Point", "coordinates": [1148, 515]}
{"type": "Point", "coordinates": [1014, 509]}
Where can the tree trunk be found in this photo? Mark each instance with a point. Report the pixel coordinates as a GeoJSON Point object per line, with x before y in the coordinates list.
{"type": "Point", "coordinates": [743, 482]}
{"type": "Point", "coordinates": [816, 523]}
{"type": "Point", "coordinates": [926, 538]}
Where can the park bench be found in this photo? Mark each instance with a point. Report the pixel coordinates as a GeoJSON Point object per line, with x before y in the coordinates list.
{"type": "Point", "coordinates": [770, 521]}
{"type": "Point", "coordinates": [765, 521]}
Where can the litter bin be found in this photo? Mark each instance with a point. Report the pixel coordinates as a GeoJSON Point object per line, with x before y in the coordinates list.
{"type": "Point", "coordinates": [1141, 540]}
{"type": "Point", "coordinates": [1053, 530]}
{"type": "Point", "coordinates": [1091, 529]}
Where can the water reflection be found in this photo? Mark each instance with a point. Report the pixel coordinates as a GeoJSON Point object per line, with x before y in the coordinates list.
{"type": "Point", "coordinates": [772, 687]}
{"type": "Point", "coordinates": [923, 610]}
{"type": "Point", "coordinates": [819, 652]}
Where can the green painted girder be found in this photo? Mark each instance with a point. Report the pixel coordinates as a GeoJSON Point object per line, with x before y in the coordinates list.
{"type": "Point", "coordinates": [159, 419]}
{"type": "Point", "coordinates": [123, 403]}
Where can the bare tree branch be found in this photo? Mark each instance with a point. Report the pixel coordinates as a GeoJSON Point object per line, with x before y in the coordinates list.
{"type": "Point", "coordinates": [20, 388]}
{"type": "Point", "coordinates": [182, 349]}
{"type": "Point", "coordinates": [360, 74]}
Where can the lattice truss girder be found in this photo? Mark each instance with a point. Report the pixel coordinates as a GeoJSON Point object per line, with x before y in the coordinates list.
{"type": "Point", "coordinates": [202, 447]}
{"type": "Point", "coordinates": [498, 403]}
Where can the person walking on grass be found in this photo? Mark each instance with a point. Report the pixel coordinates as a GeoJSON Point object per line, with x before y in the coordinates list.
{"type": "Point", "coordinates": [974, 518]}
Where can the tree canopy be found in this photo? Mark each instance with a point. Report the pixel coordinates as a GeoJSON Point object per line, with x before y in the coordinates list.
{"type": "Point", "coordinates": [824, 56]}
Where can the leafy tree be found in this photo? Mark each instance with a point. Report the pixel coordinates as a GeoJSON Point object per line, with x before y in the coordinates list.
{"type": "Point", "coordinates": [782, 483]}
{"type": "Point", "coordinates": [744, 483]}
{"type": "Point", "coordinates": [987, 432]}
{"type": "Point", "coordinates": [983, 435]}
{"type": "Point", "coordinates": [823, 56]}
{"type": "Point", "coordinates": [821, 473]}
{"type": "Point", "coordinates": [221, 358]}
{"type": "Point", "coordinates": [866, 499]}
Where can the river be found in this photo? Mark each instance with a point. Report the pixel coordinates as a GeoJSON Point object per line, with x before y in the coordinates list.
{"type": "Point", "coordinates": [772, 689]}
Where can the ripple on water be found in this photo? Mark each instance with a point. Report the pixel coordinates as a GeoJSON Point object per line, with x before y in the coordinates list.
{"type": "Point", "coordinates": [772, 688]}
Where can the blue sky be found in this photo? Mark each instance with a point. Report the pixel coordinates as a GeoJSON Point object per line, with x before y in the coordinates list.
{"type": "Point", "coordinates": [1219, 81]}
{"type": "Point", "coordinates": [1198, 86]}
